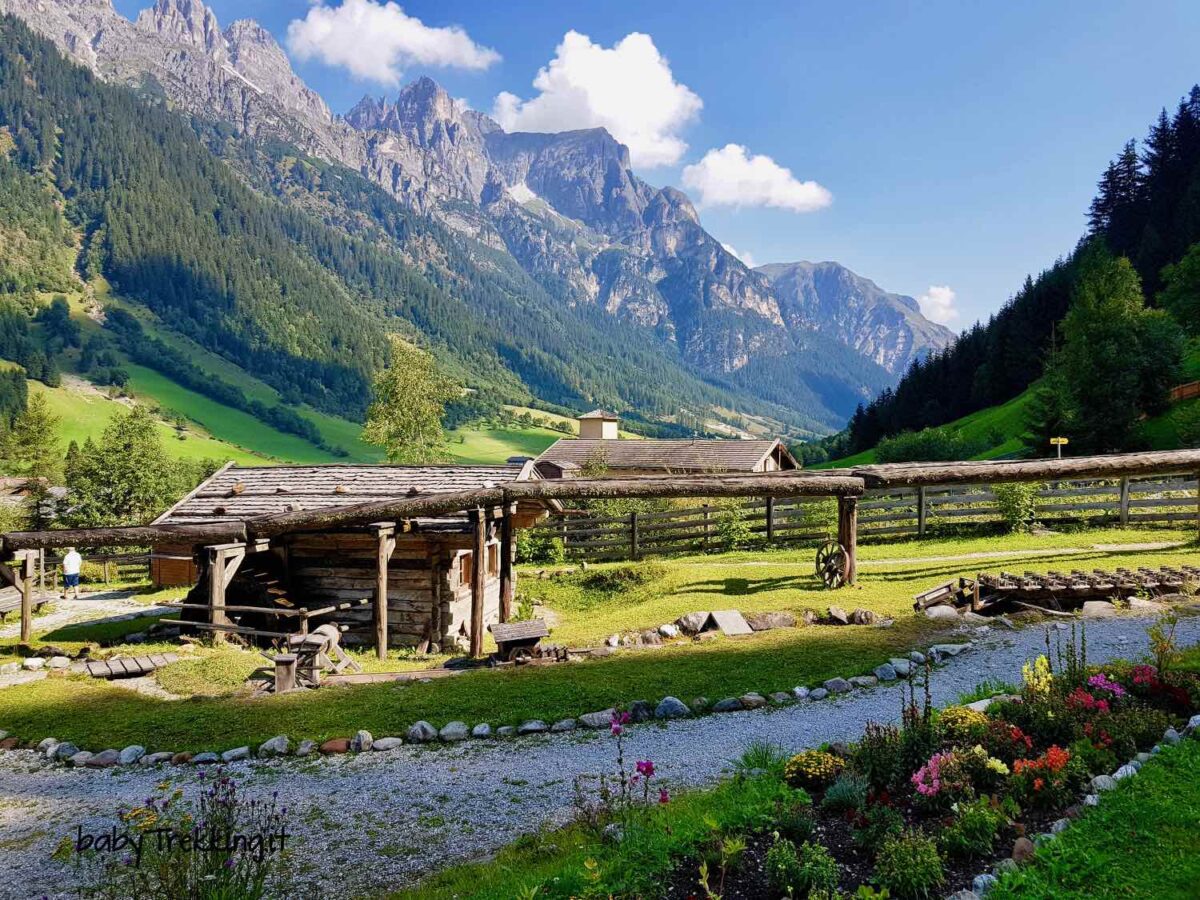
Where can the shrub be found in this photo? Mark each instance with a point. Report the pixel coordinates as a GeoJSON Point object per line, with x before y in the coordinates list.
{"type": "Point", "coordinates": [941, 782]}
{"type": "Point", "coordinates": [733, 527]}
{"type": "Point", "coordinates": [879, 823]}
{"type": "Point", "coordinates": [1006, 742]}
{"type": "Point", "coordinates": [539, 545]}
{"type": "Point", "coordinates": [1045, 782]}
{"type": "Point", "coordinates": [848, 793]}
{"type": "Point", "coordinates": [1132, 730]}
{"type": "Point", "coordinates": [794, 818]}
{"type": "Point", "coordinates": [623, 578]}
{"type": "Point", "coordinates": [909, 867]}
{"type": "Point", "coordinates": [877, 756]}
{"type": "Point", "coordinates": [962, 726]}
{"type": "Point", "coordinates": [1017, 504]}
{"type": "Point", "coordinates": [782, 865]}
{"type": "Point", "coordinates": [812, 769]}
{"type": "Point", "coordinates": [974, 830]}
{"type": "Point", "coordinates": [927, 445]}
{"type": "Point", "coordinates": [807, 872]}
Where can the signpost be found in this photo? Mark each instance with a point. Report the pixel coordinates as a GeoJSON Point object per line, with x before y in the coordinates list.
{"type": "Point", "coordinates": [1058, 443]}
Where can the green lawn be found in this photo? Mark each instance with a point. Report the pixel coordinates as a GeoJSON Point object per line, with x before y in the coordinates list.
{"type": "Point", "coordinates": [96, 714]}
{"type": "Point", "coordinates": [495, 445]}
{"type": "Point", "coordinates": [1143, 840]}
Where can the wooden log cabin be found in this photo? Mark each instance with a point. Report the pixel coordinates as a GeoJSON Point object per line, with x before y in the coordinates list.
{"type": "Point", "coordinates": [445, 578]}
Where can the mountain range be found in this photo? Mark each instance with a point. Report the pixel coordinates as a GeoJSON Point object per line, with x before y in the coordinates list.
{"type": "Point", "coordinates": [560, 221]}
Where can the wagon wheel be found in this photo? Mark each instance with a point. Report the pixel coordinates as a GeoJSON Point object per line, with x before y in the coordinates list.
{"type": "Point", "coordinates": [521, 655]}
{"type": "Point", "coordinates": [831, 564]}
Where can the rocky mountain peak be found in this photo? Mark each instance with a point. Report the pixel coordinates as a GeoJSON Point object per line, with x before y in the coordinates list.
{"type": "Point", "coordinates": [183, 22]}
{"type": "Point", "coordinates": [671, 206]}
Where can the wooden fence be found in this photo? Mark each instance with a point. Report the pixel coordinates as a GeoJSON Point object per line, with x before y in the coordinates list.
{"type": "Point", "coordinates": [882, 513]}
{"type": "Point", "coordinates": [112, 567]}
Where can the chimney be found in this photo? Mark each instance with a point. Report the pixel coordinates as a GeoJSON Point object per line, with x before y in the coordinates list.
{"type": "Point", "coordinates": [598, 425]}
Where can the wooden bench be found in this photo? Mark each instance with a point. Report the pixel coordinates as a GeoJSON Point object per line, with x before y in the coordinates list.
{"type": "Point", "coordinates": [12, 603]}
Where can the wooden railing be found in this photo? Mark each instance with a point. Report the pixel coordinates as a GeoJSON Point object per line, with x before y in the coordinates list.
{"type": "Point", "coordinates": [106, 569]}
{"type": "Point", "coordinates": [883, 513]}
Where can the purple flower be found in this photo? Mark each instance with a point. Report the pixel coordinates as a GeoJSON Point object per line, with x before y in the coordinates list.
{"type": "Point", "coordinates": [663, 796]}
{"type": "Point", "coordinates": [645, 767]}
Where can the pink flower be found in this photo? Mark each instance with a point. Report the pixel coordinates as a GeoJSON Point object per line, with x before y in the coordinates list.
{"type": "Point", "coordinates": [663, 796]}
{"type": "Point", "coordinates": [619, 719]}
{"type": "Point", "coordinates": [1104, 683]}
{"type": "Point", "coordinates": [645, 767]}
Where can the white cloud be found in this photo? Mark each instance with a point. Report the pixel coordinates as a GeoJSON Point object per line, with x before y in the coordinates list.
{"type": "Point", "coordinates": [937, 304]}
{"type": "Point", "coordinates": [376, 41]}
{"type": "Point", "coordinates": [627, 88]}
{"type": "Point", "coordinates": [746, 258]}
{"type": "Point", "coordinates": [732, 176]}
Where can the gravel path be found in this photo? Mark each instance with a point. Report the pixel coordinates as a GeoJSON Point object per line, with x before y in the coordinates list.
{"type": "Point", "coordinates": [380, 820]}
{"type": "Point", "coordinates": [102, 606]}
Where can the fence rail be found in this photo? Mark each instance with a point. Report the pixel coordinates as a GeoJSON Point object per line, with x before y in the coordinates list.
{"type": "Point", "coordinates": [886, 512]}
{"type": "Point", "coordinates": [105, 569]}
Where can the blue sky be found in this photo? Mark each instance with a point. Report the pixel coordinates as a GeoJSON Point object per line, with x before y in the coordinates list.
{"type": "Point", "coordinates": [959, 142]}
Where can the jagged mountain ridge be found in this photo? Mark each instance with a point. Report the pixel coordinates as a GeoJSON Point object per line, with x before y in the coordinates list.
{"type": "Point", "coordinates": [567, 207]}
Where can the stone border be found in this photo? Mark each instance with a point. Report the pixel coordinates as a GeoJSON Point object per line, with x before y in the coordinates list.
{"type": "Point", "coordinates": [1100, 784]}
{"type": "Point", "coordinates": [422, 732]}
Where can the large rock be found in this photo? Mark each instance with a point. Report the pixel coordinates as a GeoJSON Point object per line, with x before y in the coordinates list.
{"type": "Point", "coordinates": [184, 756]}
{"type": "Point", "coordinates": [600, 719]}
{"type": "Point", "coordinates": [46, 746]}
{"type": "Point", "coordinates": [156, 759]}
{"type": "Point", "coordinates": [1103, 783]}
{"type": "Point", "coordinates": [671, 708]}
{"type": "Point", "coordinates": [533, 726]}
{"type": "Point", "coordinates": [941, 613]}
{"type": "Point", "coordinates": [237, 754]}
{"type": "Point", "coordinates": [650, 637]}
{"type": "Point", "coordinates": [943, 651]}
{"type": "Point", "coordinates": [563, 725]}
{"type": "Point", "coordinates": [481, 731]}
{"type": "Point", "coordinates": [335, 745]}
{"type": "Point", "coordinates": [669, 630]}
{"type": "Point", "coordinates": [917, 657]}
{"type": "Point", "coordinates": [105, 759]}
{"type": "Point", "coordinates": [208, 758]}
{"type": "Point", "coordinates": [864, 681]}
{"type": "Point", "coordinates": [1170, 736]}
{"type": "Point", "coordinates": [770, 620]}
{"type": "Point", "coordinates": [800, 693]}
{"type": "Point", "coordinates": [782, 698]}
{"type": "Point", "coordinates": [384, 744]}
{"type": "Point", "coordinates": [506, 731]}
{"type": "Point", "coordinates": [33, 663]}
{"type": "Point", "coordinates": [276, 746]}
{"type": "Point", "coordinates": [1098, 609]}
{"type": "Point", "coordinates": [838, 616]}
{"type": "Point", "coordinates": [886, 672]}
{"type": "Point", "coordinates": [59, 662]}
{"type": "Point", "coordinates": [131, 754]}
{"type": "Point", "coordinates": [65, 751]}
{"type": "Point", "coordinates": [1022, 850]}
{"type": "Point", "coordinates": [453, 732]}
{"type": "Point", "coordinates": [692, 623]}
{"type": "Point", "coordinates": [306, 748]}
{"type": "Point", "coordinates": [421, 733]}
{"type": "Point", "coordinates": [863, 617]}
{"type": "Point", "coordinates": [729, 704]}
{"type": "Point", "coordinates": [81, 758]}
{"type": "Point", "coordinates": [1126, 771]}
{"type": "Point", "coordinates": [902, 667]}
{"type": "Point", "coordinates": [753, 701]}
{"type": "Point", "coordinates": [640, 711]}
{"type": "Point", "coordinates": [818, 693]}
{"type": "Point", "coordinates": [983, 884]}
{"type": "Point", "coordinates": [837, 685]}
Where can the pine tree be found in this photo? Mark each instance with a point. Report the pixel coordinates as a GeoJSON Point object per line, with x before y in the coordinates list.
{"type": "Point", "coordinates": [33, 453]}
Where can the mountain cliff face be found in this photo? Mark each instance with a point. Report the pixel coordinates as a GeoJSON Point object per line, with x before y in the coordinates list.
{"type": "Point", "coordinates": [566, 207]}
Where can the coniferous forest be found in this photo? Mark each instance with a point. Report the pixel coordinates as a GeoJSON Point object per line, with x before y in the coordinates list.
{"type": "Point", "coordinates": [1146, 213]}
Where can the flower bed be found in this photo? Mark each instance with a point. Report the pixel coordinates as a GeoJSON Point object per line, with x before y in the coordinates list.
{"type": "Point", "coordinates": [922, 809]}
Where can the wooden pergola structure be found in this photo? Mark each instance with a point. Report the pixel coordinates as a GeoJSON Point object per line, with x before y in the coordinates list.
{"type": "Point", "coordinates": [228, 543]}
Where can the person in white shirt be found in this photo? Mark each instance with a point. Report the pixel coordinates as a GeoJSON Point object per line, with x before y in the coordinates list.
{"type": "Point", "coordinates": [71, 565]}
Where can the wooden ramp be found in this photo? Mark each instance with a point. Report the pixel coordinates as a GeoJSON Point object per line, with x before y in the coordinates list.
{"type": "Point", "coordinates": [128, 666]}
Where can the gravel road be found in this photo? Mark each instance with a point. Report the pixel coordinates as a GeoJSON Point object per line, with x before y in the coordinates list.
{"type": "Point", "coordinates": [381, 820]}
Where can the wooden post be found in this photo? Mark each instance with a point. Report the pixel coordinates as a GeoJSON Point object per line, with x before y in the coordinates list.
{"type": "Point", "coordinates": [506, 563]}
{"type": "Point", "coordinates": [478, 571]}
{"type": "Point", "coordinates": [383, 555]}
{"type": "Point", "coordinates": [848, 534]}
{"type": "Point", "coordinates": [285, 673]}
{"type": "Point", "coordinates": [1124, 511]}
{"type": "Point", "coordinates": [707, 526]}
{"type": "Point", "coordinates": [27, 597]}
{"type": "Point", "coordinates": [770, 519]}
{"type": "Point", "coordinates": [216, 593]}
{"type": "Point", "coordinates": [633, 535]}
{"type": "Point", "coordinates": [41, 571]}
{"type": "Point", "coordinates": [921, 511]}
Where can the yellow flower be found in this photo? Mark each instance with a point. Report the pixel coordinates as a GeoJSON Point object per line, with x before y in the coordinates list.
{"type": "Point", "coordinates": [1038, 676]}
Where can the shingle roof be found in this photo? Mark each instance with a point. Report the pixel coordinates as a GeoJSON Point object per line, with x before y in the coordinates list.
{"type": "Point", "coordinates": [671, 455]}
{"type": "Point", "coordinates": [237, 492]}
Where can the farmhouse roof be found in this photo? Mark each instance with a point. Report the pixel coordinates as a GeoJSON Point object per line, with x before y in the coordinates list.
{"type": "Point", "coordinates": [243, 492]}
{"type": "Point", "coordinates": [668, 455]}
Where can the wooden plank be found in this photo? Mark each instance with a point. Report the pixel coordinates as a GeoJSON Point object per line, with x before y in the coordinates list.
{"type": "Point", "coordinates": [847, 534]}
{"type": "Point", "coordinates": [507, 551]}
{"type": "Point", "coordinates": [478, 573]}
{"type": "Point", "coordinates": [27, 598]}
{"type": "Point", "coordinates": [386, 544]}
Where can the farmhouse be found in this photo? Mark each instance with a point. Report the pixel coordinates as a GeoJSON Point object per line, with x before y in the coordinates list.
{"type": "Point", "coordinates": [425, 565]}
{"type": "Point", "coordinates": [598, 447]}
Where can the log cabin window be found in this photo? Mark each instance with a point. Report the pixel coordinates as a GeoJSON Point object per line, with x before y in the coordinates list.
{"type": "Point", "coordinates": [493, 560]}
{"type": "Point", "coordinates": [466, 566]}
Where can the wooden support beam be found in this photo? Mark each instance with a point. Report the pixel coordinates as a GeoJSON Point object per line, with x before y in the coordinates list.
{"type": "Point", "coordinates": [478, 572]}
{"type": "Point", "coordinates": [27, 597]}
{"type": "Point", "coordinates": [217, 583]}
{"type": "Point", "coordinates": [387, 543]}
{"type": "Point", "coordinates": [770, 515]}
{"type": "Point", "coordinates": [506, 562]}
{"type": "Point", "coordinates": [131, 535]}
{"type": "Point", "coordinates": [848, 534]}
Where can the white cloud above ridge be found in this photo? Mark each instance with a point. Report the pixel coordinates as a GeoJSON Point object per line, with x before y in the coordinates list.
{"type": "Point", "coordinates": [733, 176]}
{"type": "Point", "coordinates": [938, 304]}
{"type": "Point", "coordinates": [376, 41]}
{"type": "Point", "coordinates": [747, 258]}
{"type": "Point", "coordinates": [628, 89]}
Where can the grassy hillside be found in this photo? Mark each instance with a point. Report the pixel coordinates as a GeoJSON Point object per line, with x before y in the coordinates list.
{"type": "Point", "coordinates": [493, 445]}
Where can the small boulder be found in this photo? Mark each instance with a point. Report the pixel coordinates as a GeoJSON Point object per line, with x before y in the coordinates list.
{"type": "Point", "coordinates": [941, 613]}
{"type": "Point", "coordinates": [1022, 850]}
{"type": "Point", "coordinates": [183, 756]}
{"type": "Point", "coordinates": [384, 744]}
{"type": "Point", "coordinates": [974, 618]}
{"type": "Point", "coordinates": [600, 719]}
{"type": "Point", "coordinates": [837, 685]}
{"type": "Point", "coordinates": [640, 711]}
{"type": "Point", "coordinates": [944, 651]}
{"type": "Point", "coordinates": [863, 617]}
{"type": "Point", "coordinates": [864, 681]}
{"type": "Point", "coordinates": [206, 758]}
{"type": "Point", "coordinates": [698, 704]}
{"type": "Point", "coordinates": [671, 708]}
{"type": "Point", "coordinates": [59, 662]}
{"type": "Point", "coordinates": [276, 746]}
{"type": "Point", "coordinates": [9, 668]}
{"type": "Point", "coordinates": [917, 657]}
{"type": "Point", "coordinates": [81, 758]}
{"type": "Point", "coordinates": [33, 663]}
{"type": "Point", "coordinates": [753, 701]}
{"type": "Point", "coordinates": [46, 746]}
{"type": "Point", "coordinates": [782, 698]}
{"type": "Point", "coordinates": [533, 726]}
{"type": "Point", "coordinates": [692, 623]}
{"type": "Point", "coordinates": [902, 667]}
{"type": "Point", "coordinates": [983, 883]}
{"type": "Point", "coordinates": [65, 751]}
{"type": "Point", "coordinates": [729, 704]}
{"type": "Point", "coordinates": [800, 693]}
{"type": "Point", "coordinates": [421, 733]}
{"type": "Point", "coordinates": [769, 621]}
{"type": "Point", "coordinates": [1140, 604]}
{"type": "Point", "coordinates": [1058, 826]}
{"type": "Point", "coordinates": [886, 672]}
{"type": "Point", "coordinates": [335, 745]}
{"type": "Point", "coordinates": [1103, 783]}
{"type": "Point", "coordinates": [1005, 866]}
{"type": "Point", "coordinates": [1098, 609]}
{"type": "Point", "coordinates": [838, 616]}
{"type": "Point", "coordinates": [1170, 736]}
{"type": "Point", "coordinates": [1142, 758]}
{"type": "Point", "coordinates": [669, 630]}
{"type": "Point", "coordinates": [131, 754]}
{"type": "Point", "coordinates": [1192, 725]}
{"type": "Point", "coordinates": [818, 693]}
{"type": "Point", "coordinates": [563, 725]}
{"type": "Point", "coordinates": [237, 754]}
{"type": "Point", "coordinates": [105, 759]}
{"type": "Point", "coordinates": [1091, 800]}
{"type": "Point", "coordinates": [650, 637]}
{"type": "Point", "coordinates": [306, 748]}
{"type": "Point", "coordinates": [1126, 771]}
{"type": "Point", "coordinates": [613, 640]}
{"type": "Point", "coordinates": [453, 732]}
{"type": "Point", "coordinates": [481, 731]}
{"type": "Point", "coordinates": [506, 731]}
{"type": "Point", "coordinates": [156, 759]}
{"type": "Point", "coordinates": [963, 894]}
